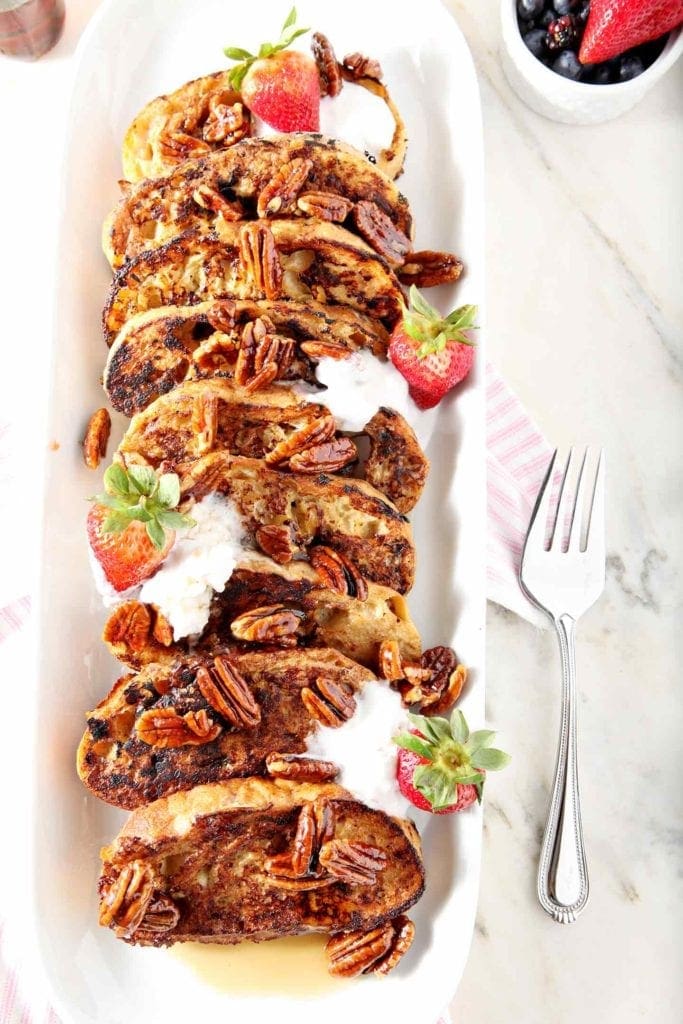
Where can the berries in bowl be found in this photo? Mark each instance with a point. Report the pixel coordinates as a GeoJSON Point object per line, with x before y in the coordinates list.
{"type": "Point", "coordinates": [586, 61]}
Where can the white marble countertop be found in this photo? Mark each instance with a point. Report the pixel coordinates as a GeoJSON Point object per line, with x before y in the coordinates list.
{"type": "Point", "coordinates": [584, 302]}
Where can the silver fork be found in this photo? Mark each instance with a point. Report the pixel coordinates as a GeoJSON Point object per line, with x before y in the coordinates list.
{"type": "Point", "coordinates": [564, 580]}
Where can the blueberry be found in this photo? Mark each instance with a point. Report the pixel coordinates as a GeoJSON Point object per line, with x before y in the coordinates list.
{"type": "Point", "coordinates": [535, 42]}
{"type": "Point", "coordinates": [583, 12]}
{"type": "Point", "coordinates": [529, 9]}
{"type": "Point", "coordinates": [561, 33]}
{"type": "Point", "coordinates": [630, 68]}
{"type": "Point", "coordinates": [565, 6]}
{"type": "Point", "coordinates": [601, 75]}
{"type": "Point", "coordinates": [547, 18]}
{"type": "Point", "coordinates": [524, 26]}
{"type": "Point", "coordinates": [567, 65]}
{"type": "Point", "coordinates": [649, 52]}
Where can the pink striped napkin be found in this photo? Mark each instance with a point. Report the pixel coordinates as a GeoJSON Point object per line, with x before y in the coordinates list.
{"type": "Point", "coordinates": [517, 457]}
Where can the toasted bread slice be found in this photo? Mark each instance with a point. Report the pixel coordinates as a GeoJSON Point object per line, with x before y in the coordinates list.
{"type": "Point", "coordinates": [304, 173]}
{"type": "Point", "coordinates": [331, 619]}
{"type": "Point", "coordinates": [349, 516]}
{"type": "Point", "coordinates": [256, 859]}
{"type": "Point", "coordinates": [122, 763]}
{"type": "Point", "coordinates": [156, 350]}
{"type": "Point", "coordinates": [170, 129]}
{"type": "Point", "coordinates": [256, 260]}
{"type": "Point", "coordinates": [252, 424]}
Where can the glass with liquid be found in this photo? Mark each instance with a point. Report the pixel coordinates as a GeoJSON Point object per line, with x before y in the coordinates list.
{"type": "Point", "coordinates": [29, 28]}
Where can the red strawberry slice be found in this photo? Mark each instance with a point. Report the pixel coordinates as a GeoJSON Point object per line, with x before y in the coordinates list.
{"type": "Point", "coordinates": [129, 557]}
{"type": "Point", "coordinates": [432, 352]}
{"type": "Point", "coordinates": [615, 26]}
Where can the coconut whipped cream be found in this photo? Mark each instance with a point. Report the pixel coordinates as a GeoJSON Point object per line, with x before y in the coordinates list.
{"type": "Point", "coordinates": [198, 565]}
{"type": "Point", "coordinates": [363, 748]}
{"type": "Point", "coordinates": [359, 385]}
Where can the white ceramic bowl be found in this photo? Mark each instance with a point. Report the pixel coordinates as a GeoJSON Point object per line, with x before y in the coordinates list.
{"type": "Point", "coordinates": [562, 99]}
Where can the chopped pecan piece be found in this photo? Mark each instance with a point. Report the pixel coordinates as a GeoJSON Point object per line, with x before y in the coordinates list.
{"type": "Point", "coordinates": [161, 916]}
{"type": "Point", "coordinates": [313, 433]}
{"type": "Point", "coordinates": [270, 624]}
{"type": "Point", "coordinates": [331, 80]}
{"type": "Point", "coordinates": [354, 863]}
{"type": "Point", "coordinates": [164, 727]}
{"type": "Point", "coordinates": [260, 259]}
{"type": "Point", "coordinates": [427, 269]}
{"type": "Point", "coordinates": [131, 624]}
{"type": "Point", "coordinates": [390, 663]}
{"type": "Point", "coordinates": [178, 145]}
{"type": "Point", "coordinates": [337, 572]}
{"type": "Point", "coordinates": [228, 693]}
{"type": "Point", "coordinates": [352, 953]}
{"type": "Point", "coordinates": [450, 693]}
{"type": "Point", "coordinates": [162, 630]}
{"type": "Point", "coordinates": [380, 232]}
{"type": "Point", "coordinates": [315, 349]}
{"type": "Point", "coordinates": [435, 683]}
{"type": "Point", "coordinates": [221, 315]}
{"type": "Point", "coordinates": [330, 703]}
{"type": "Point", "coordinates": [300, 769]}
{"type": "Point", "coordinates": [205, 421]}
{"type": "Point", "coordinates": [96, 438]}
{"type": "Point", "coordinates": [126, 899]}
{"type": "Point", "coordinates": [277, 542]}
{"type": "Point", "coordinates": [439, 663]}
{"type": "Point", "coordinates": [282, 190]}
{"type": "Point", "coordinates": [328, 457]}
{"type": "Point", "coordinates": [299, 884]}
{"type": "Point", "coordinates": [359, 66]}
{"type": "Point", "coordinates": [325, 206]}
{"type": "Point", "coordinates": [209, 199]}
{"type": "Point", "coordinates": [227, 122]}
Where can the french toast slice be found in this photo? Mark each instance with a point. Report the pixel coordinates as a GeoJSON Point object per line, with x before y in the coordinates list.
{"type": "Point", "coordinates": [251, 425]}
{"type": "Point", "coordinates": [347, 515]}
{"type": "Point", "coordinates": [330, 618]}
{"type": "Point", "coordinates": [199, 117]}
{"type": "Point", "coordinates": [297, 175]}
{"type": "Point", "coordinates": [158, 349]}
{"type": "Point", "coordinates": [257, 859]}
{"type": "Point", "coordinates": [254, 699]}
{"type": "Point", "coordinates": [294, 259]}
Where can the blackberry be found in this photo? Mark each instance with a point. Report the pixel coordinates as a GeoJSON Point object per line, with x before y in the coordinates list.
{"type": "Point", "coordinates": [561, 33]}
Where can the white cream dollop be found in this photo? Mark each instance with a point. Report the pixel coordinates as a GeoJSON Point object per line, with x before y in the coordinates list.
{"type": "Point", "coordinates": [198, 565]}
{"type": "Point", "coordinates": [364, 750]}
{"type": "Point", "coordinates": [359, 385]}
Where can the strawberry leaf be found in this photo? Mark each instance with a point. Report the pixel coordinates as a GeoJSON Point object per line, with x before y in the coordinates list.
{"type": "Point", "coordinates": [143, 479]}
{"type": "Point", "coordinates": [169, 490]}
{"type": "Point", "coordinates": [237, 53]}
{"type": "Point", "coordinates": [155, 532]}
{"type": "Point", "coordinates": [136, 494]}
{"type": "Point", "coordinates": [434, 729]}
{"type": "Point", "coordinates": [435, 787]}
{"type": "Point", "coordinates": [116, 480]}
{"type": "Point", "coordinates": [421, 306]}
{"type": "Point", "coordinates": [458, 727]}
{"type": "Point", "coordinates": [463, 318]}
{"type": "Point", "coordinates": [289, 21]}
{"type": "Point", "coordinates": [174, 520]}
{"type": "Point", "coordinates": [480, 738]}
{"type": "Point", "coordinates": [116, 522]}
{"type": "Point", "coordinates": [415, 744]}
{"type": "Point", "coordinates": [490, 760]}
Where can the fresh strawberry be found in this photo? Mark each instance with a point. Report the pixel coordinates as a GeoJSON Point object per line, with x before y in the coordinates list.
{"type": "Point", "coordinates": [131, 527]}
{"type": "Point", "coordinates": [280, 86]}
{"type": "Point", "coordinates": [614, 26]}
{"type": "Point", "coordinates": [432, 352]}
{"type": "Point", "coordinates": [441, 765]}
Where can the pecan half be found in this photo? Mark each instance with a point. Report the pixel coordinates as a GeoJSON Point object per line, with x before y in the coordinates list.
{"type": "Point", "coordinates": [260, 259]}
{"type": "Point", "coordinates": [209, 199]}
{"type": "Point", "coordinates": [205, 421]}
{"type": "Point", "coordinates": [313, 433]}
{"type": "Point", "coordinates": [390, 663]}
{"type": "Point", "coordinates": [126, 899]}
{"type": "Point", "coordinates": [281, 191]}
{"type": "Point", "coordinates": [380, 232]}
{"type": "Point", "coordinates": [270, 624]}
{"type": "Point", "coordinates": [130, 624]}
{"type": "Point", "coordinates": [328, 457]}
{"type": "Point", "coordinates": [178, 145]}
{"type": "Point", "coordinates": [300, 769]}
{"type": "Point", "coordinates": [162, 631]}
{"type": "Point", "coordinates": [439, 663]}
{"type": "Point", "coordinates": [329, 703]}
{"type": "Point", "coordinates": [262, 355]}
{"type": "Point", "coordinates": [304, 845]}
{"type": "Point", "coordinates": [337, 572]}
{"type": "Point", "coordinates": [299, 884]}
{"type": "Point", "coordinates": [404, 933]}
{"type": "Point", "coordinates": [359, 66]}
{"type": "Point", "coordinates": [315, 349]}
{"type": "Point", "coordinates": [450, 693]}
{"type": "Point", "coordinates": [164, 728]}
{"type": "Point", "coordinates": [161, 916]}
{"type": "Point", "coordinates": [277, 542]}
{"type": "Point", "coordinates": [426, 269]}
{"type": "Point", "coordinates": [331, 80]}
{"type": "Point", "coordinates": [96, 438]}
{"type": "Point", "coordinates": [325, 206]}
{"type": "Point", "coordinates": [435, 683]}
{"type": "Point", "coordinates": [227, 122]}
{"type": "Point", "coordinates": [352, 953]}
{"type": "Point", "coordinates": [221, 315]}
{"type": "Point", "coordinates": [228, 693]}
{"type": "Point", "coordinates": [354, 863]}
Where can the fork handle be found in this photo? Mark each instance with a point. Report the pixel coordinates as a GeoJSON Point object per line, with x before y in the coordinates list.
{"type": "Point", "coordinates": [562, 872]}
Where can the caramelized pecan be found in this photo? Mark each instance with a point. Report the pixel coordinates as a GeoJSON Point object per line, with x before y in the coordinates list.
{"type": "Point", "coordinates": [277, 542]}
{"type": "Point", "coordinates": [221, 315]}
{"type": "Point", "coordinates": [299, 884]}
{"type": "Point", "coordinates": [130, 624]}
{"type": "Point", "coordinates": [325, 206]}
{"type": "Point", "coordinates": [324, 349]}
{"type": "Point", "coordinates": [337, 572]}
{"type": "Point", "coordinates": [164, 727]}
{"type": "Point", "coordinates": [435, 683]}
{"type": "Point", "coordinates": [228, 693]}
{"type": "Point", "coordinates": [300, 769]}
{"type": "Point", "coordinates": [227, 122]}
{"type": "Point", "coordinates": [450, 693]}
{"type": "Point", "coordinates": [270, 624]}
{"type": "Point", "coordinates": [178, 145]}
{"type": "Point", "coordinates": [262, 355]}
{"type": "Point", "coordinates": [354, 863]}
{"type": "Point", "coordinates": [304, 845]}
{"type": "Point", "coordinates": [260, 259]}
{"type": "Point", "coordinates": [331, 80]}
{"type": "Point", "coordinates": [359, 66]}
{"type": "Point", "coordinates": [380, 232]}
{"type": "Point", "coordinates": [404, 933]}
{"type": "Point", "coordinates": [125, 900]}
{"type": "Point", "coordinates": [329, 703]}
{"type": "Point", "coordinates": [328, 457]}
{"type": "Point", "coordinates": [162, 630]}
{"type": "Point", "coordinates": [313, 433]}
{"type": "Point", "coordinates": [390, 663]}
{"type": "Point", "coordinates": [205, 421]}
{"type": "Point", "coordinates": [281, 191]}
{"type": "Point", "coordinates": [96, 438]}
{"type": "Point", "coordinates": [209, 199]}
{"type": "Point", "coordinates": [352, 953]}
{"type": "Point", "coordinates": [161, 916]}
{"type": "Point", "coordinates": [427, 269]}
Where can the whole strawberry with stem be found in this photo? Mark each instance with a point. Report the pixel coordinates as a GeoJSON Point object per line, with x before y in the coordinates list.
{"type": "Point", "coordinates": [615, 26]}
{"type": "Point", "coordinates": [442, 765]}
{"type": "Point", "coordinates": [131, 527]}
{"type": "Point", "coordinates": [279, 85]}
{"type": "Point", "coordinates": [432, 352]}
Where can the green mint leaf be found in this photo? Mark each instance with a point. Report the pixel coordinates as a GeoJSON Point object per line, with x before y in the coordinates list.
{"type": "Point", "coordinates": [116, 522]}
{"type": "Point", "coordinates": [420, 305]}
{"type": "Point", "coordinates": [415, 744]}
{"type": "Point", "coordinates": [433, 729]}
{"type": "Point", "coordinates": [143, 479]}
{"type": "Point", "coordinates": [237, 53]}
{"type": "Point", "coordinates": [490, 760]}
{"type": "Point", "coordinates": [155, 532]}
{"type": "Point", "coordinates": [458, 727]}
{"type": "Point", "coordinates": [289, 20]}
{"type": "Point", "coordinates": [435, 787]}
{"type": "Point", "coordinates": [174, 520]}
{"type": "Point", "coordinates": [169, 490]}
{"type": "Point", "coordinates": [116, 480]}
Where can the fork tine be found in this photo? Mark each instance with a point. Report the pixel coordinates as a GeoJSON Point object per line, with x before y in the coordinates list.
{"type": "Point", "coordinates": [563, 500]}
{"type": "Point", "coordinates": [579, 503]}
{"type": "Point", "coordinates": [595, 540]}
{"type": "Point", "coordinates": [535, 538]}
